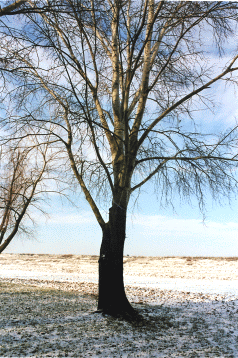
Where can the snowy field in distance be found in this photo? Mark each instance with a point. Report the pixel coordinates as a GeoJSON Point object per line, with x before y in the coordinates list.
{"type": "Point", "coordinates": [204, 275]}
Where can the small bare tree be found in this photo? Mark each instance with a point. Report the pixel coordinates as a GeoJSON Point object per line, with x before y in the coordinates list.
{"type": "Point", "coordinates": [22, 172]}
{"type": "Point", "coordinates": [117, 85]}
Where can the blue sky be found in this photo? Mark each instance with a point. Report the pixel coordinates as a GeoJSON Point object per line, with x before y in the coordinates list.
{"type": "Point", "coordinates": [151, 230]}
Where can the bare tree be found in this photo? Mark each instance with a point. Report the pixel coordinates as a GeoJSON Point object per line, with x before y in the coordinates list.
{"type": "Point", "coordinates": [22, 173]}
{"type": "Point", "coordinates": [118, 84]}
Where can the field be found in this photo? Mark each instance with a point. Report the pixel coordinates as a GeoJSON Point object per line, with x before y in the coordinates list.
{"type": "Point", "coordinates": [48, 305]}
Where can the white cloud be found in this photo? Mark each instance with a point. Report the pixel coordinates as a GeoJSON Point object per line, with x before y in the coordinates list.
{"type": "Point", "coordinates": [72, 219]}
{"type": "Point", "coordinates": [162, 224]}
{"type": "Point", "coordinates": [62, 216]}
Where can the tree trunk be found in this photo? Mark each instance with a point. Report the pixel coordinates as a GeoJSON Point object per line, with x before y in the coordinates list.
{"type": "Point", "coordinates": [112, 298]}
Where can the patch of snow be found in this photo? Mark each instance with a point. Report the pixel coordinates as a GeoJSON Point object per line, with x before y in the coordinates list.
{"type": "Point", "coordinates": [229, 287]}
{"type": "Point", "coordinates": [49, 276]}
{"type": "Point", "coordinates": [224, 287]}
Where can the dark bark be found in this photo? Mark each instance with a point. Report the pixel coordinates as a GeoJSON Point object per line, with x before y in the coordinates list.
{"type": "Point", "coordinates": [112, 298]}
{"type": "Point", "coordinates": [5, 244]}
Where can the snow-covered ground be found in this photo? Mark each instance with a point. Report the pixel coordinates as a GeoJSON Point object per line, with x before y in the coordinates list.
{"type": "Point", "coordinates": [198, 275]}
{"type": "Point", "coordinates": [48, 302]}
{"type": "Point", "coordinates": [227, 287]}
